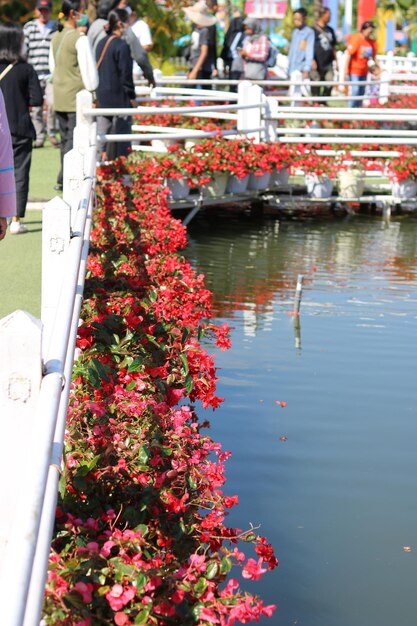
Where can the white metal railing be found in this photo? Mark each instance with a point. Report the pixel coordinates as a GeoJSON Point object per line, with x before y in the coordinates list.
{"type": "Point", "coordinates": [35, 384]}
{"type": "Point", "coordinates": [37, 358]}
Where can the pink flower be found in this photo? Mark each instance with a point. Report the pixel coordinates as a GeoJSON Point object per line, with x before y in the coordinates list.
{"type": "Point", "coordinates": [85, 591]}
{"type": "Point", "coordinates": [268, 610]}
{"type": "Point", "coordinates": [198, 562]}
{"type": "Point", "coordinates": [121, 619]}
{"type": "Point", "coordinates": [118, 596]}
{"type": "Point", "coordinates": [107, 546]}
{"type": "Point", "coordinates": [209, 615]}
{"type": "Point", "coordinates": [253, 570]}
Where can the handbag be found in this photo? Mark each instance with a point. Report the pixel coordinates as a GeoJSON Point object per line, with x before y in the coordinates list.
{"type": "Point", "coordinates": [103, 52]}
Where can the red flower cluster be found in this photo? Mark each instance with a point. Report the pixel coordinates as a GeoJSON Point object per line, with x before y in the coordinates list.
{"type": "Point", "coordinates": [140, 528]}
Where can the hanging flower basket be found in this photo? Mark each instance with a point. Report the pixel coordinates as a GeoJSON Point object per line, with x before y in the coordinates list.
{"type": "Point", "coordinates": [178, 188]}
{"type": "Point", "coordinates": [351, 183]}
{"type": "Point", "coordinates": [406, 189]}
{"type": "Point", "coordinates": [279, 177]}
{"type": "Point", "coordinates": [259, 182]}
{"type": "Point", "coordinates": [318, 186]}
{"type": "Point", "coordinates": [217, 186]}
{"type": "Point", "coordinates": [237, 185]}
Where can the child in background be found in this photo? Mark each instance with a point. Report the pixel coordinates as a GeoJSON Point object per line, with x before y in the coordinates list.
{"type": "Point", "coordinates": [373, 87]}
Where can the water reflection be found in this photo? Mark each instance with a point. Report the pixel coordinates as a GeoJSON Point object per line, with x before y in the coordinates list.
{"type": "Point", "coordinates": [249, 263]}
{"type": "Point", "coordinates": [338, 496]}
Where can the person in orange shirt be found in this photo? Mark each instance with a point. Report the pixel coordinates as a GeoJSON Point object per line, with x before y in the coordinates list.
{"type": "Point", "coordinates": [361, 49]}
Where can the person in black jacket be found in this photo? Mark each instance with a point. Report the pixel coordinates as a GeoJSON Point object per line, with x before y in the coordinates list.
{"type": "Point", "coordinates": [116, 88]}
{"type": "Point", "coordinates": [21, 90]}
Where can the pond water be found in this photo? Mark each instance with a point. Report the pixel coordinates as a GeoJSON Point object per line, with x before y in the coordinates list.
{"type": "Point", "coordinates": [338, 498]}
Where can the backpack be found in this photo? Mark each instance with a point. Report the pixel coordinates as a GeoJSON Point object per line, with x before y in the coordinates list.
{"type": "Point", "coordinates": [271, 61]}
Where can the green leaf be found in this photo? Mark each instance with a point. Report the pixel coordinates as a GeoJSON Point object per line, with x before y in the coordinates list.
{"type": "Point", "coordinates": [249, 537]}
{"type": "Point", "coordinates": [87, 466]}
{"type": "Point", "coordinates": [184, 362]}
{"type": "Point", "coordinates": [188, 384]}
{"type": "Point", "coordinates": [200, 587]}
{"type": "Point", "coordinates": [135, 365]}
{"type": "Point", "coordinates": [185, 334]}
{"type": "Point", "coordinates": [142, 528]}
{"type": "Point", "coordinates": [131, 385]}
{"type": "Point", "coordinates": [62, 487]}
{"type": "Point", "coordinates": [192, 482]}
{"type": "Point", "coordinates": [152, 339]}
{"type": "Point", "coordinates": [200, 333]}
{"type": "Point", "coordinates": [142, 617]}
{"type": "Point", "coordinates": [225, 565]}
{"type": "Point", "coordinates": [143, 454]}
{"type": "Point", "coordinates": [103, 590]}
{"type": "Point", "coordinates": [196, 610]}
{"type": "Point", "coordinates": [141, 581]}
{"type": "Point", "coordinates": [74, 599]}
{"type": "Point", "coordinates": [152, 295]}
{"type": "Point", "coordinates": [211, 571]}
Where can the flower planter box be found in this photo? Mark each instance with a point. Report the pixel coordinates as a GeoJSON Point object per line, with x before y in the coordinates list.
{"type": "Point", "coordinates": [406, 189]}
{"type": "Point", "coordinates": [216, 187]}
{"type": "Point", "coordinates": [279, 177]}
{"type": "Point", "coordinates": [318, 186]}
{"type": "Point", "coordinates": [178, 188]}
{"type": "Point", "coordinates": [237, 185]}
{"type": "Point", "coordinates": [259, 182]}
{"type": "Point", "coordinates": [351, 183]}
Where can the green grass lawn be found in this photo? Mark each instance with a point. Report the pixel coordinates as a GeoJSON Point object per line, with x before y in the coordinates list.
{"type": "Point", "coordinates": [43, 173]}
{"type": "Point", "coordinates": [21, 255]}
{"type": "Point", "coordinates": [20, 260]}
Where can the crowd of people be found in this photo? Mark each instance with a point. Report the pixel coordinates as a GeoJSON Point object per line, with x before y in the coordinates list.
{"type": "Point", "coordinates": [42, 68]}
{"type": "Point", "coordinates": [47, 62]}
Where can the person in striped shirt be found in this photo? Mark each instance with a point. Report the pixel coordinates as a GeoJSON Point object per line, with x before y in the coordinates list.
{"type": "Point", "coordinates": [38, 34]}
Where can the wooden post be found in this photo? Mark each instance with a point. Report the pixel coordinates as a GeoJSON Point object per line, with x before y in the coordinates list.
{"type": "Point", "coordinates": [298, 294]}
{"type": "Point", "coordinates": [56, 232]}
{"type": "Point", "coordinates": [20, 380]}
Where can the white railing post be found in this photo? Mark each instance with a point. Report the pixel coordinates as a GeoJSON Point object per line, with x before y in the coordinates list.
{"type": "Point", "coordinates": [249, 118]}
{"type": "Point", "coordinates": [386, 78]}
{"type": "Point", "coordinates": [20, 381]}
{"type": "Point", "coordinates": [73, 180]}
{"type": "Point", "coordinates": [86, 129]}
{"type": "Point", "coordinates": [270, 124]}
{"type": "Point", "coordinates": [56, 233]}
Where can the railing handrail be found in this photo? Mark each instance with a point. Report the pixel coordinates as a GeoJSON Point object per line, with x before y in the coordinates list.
{"type": "Point", "coordinates": [25, 559]}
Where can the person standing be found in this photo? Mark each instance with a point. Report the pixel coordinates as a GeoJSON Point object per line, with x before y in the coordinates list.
{"type": "Point", "coordinates": [201, 65]}
{"type": "Point", "coordinates": [142, 31]}
{"type": "Point", "coordinates": [21, 90]}
{"type": "Point", "coordinates": [360, 51]}
{"type": "Point", "coordinates": [116, 88]}
{"type": "Point", "coordinates": [212, 51]}
{"type": "Point", "coordinates": [7, 182]}
{"type": "Point", "coordinates": [255, 50]}
{"type": "Point", "coordinates": [73, 68]}
{"type": "Point", "coordinates": [324, 53]}
{"type": "Point", "coordinates": [232, 41]}
{"type": "Point", "coordinates": [97, 32]}
{"type": "Point", "coordinates": [301, 52]}
{"type": "Point", "coordinates": [38, 34]}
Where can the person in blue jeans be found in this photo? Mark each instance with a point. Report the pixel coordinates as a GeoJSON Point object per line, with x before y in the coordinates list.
{"type": "Point", "coordinates": [360, 51]}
